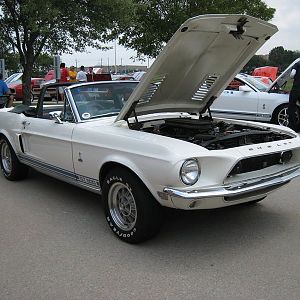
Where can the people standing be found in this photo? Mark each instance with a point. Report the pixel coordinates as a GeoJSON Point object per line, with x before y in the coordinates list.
{"type": "Point", "coordinates": [64, 76]}
{"type": "Point", "coordinates": [294, 97]}
{"type": "Point", "coordinates": [72, 74]}
{"type": "Point", "coordinates": [64, 73]}
{"type": "Point", "coordinates": [4, 94]}
{"type": "Point", "coordinates": [81, 75]}
{"type": "Point", "coordinates": [90, 74]}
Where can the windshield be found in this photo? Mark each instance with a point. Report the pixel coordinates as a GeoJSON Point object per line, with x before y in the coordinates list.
{"type": "Point", "coordinates": [14, 77]}
{"type": "Point", "coordinates": [101, 99]}
{"type": "Point", "coordinates": [256, 83]}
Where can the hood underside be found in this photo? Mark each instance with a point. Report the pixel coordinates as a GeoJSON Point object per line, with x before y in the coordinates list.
{"type": "Point", "coordinates": [198, 62]}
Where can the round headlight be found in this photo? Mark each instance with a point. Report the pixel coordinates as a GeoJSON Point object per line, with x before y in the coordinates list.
{"type": "Point", "coordinates": [190, 172]}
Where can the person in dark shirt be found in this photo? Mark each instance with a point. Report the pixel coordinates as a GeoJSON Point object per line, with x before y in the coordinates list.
{"type": "Point", "coordinates": [294, 97]}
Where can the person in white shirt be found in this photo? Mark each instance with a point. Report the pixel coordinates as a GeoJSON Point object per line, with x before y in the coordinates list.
{"type": "Point", "coordinates": [81, 75]}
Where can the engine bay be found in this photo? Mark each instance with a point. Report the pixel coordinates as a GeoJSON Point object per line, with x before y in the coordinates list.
{"type": "Point", "coordinates": [210, 134]}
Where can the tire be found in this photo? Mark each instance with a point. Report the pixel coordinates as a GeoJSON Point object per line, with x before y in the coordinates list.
{"type": "Point", "coordinates": [130, 209]}
{"type": "Point", "coordinates": [11, 167]}
{"type": "Point", "coordinates": [280, 115]}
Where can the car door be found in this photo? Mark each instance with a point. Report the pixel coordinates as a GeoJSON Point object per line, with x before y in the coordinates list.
{"type": "Point", "coordinates": [238, 101]}
{"type": "Point", "coordinates": [47, 143]}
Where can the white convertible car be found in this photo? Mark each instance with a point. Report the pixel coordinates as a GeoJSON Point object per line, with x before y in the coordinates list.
{"type": "Point", "coordinates": [160, 147]}
{"type": "Point", "coordinates": [248, 99]}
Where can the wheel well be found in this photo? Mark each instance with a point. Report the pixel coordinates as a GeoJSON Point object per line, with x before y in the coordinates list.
{"type": "Point", "coordinates": [111, 165]}
{"type": "Point", "coordinates": [275, 111]}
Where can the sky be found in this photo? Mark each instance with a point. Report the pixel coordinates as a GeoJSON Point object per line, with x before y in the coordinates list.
{"type": "Point", "coordinates": [286, 18]}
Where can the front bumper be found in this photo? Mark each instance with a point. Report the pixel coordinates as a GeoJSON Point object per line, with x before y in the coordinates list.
{"type": "Point", "coordinates": [232, 193]}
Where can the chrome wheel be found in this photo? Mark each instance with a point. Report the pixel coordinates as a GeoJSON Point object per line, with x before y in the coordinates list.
{"type": "Point", "coordinates": [6, 158]}
{"type": "Point", "coordinates": [283, 117]}
{"type": "Point", "coordinates": [122, 206]}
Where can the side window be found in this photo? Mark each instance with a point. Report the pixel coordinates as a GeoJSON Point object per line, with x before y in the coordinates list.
{"type": "Point", "coordinates": [234, 85]}
{"type": "Point", "coordinates": [53, 103]}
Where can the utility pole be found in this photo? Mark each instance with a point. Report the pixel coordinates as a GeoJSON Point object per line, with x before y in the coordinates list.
{"type": "Point", "coordinates": [116, 70]}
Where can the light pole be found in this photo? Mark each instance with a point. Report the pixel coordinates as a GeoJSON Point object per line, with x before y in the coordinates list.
{"type": "Point", "coordinates": [116, 70]}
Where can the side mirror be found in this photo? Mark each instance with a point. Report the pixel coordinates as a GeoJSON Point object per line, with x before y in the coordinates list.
{"type": "Point", "coordinates": [55, 115]}
{"type": "Point", "coordinates": [245, 88]}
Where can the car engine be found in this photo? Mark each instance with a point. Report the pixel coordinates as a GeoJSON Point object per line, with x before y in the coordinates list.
{"type": "Point", "coordinates": [212, 135]}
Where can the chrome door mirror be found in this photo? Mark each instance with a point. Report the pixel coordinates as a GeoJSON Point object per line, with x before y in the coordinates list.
{"type": "Point", "coordinates": [56, 115]}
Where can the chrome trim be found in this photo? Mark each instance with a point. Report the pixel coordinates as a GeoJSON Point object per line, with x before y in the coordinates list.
{"type": "Point", "coordinates": [238, 188]}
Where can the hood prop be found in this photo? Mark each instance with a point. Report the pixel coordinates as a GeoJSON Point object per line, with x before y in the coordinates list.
{"type": "Point", "coordinates": [131, 111]}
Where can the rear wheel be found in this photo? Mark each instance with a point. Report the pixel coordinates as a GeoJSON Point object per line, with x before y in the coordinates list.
{"type": "Point", "coordinates": [130, 209]}
{"type": "Point", "coordinates": [11, 167]}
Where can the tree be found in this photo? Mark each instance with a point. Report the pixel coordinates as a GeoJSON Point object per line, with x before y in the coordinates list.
{"type": "Point", "coordinates": [56, 26]}
{"type": "Point", "coordinates": [255, 62]}
{"type": "Point", "coordinates": [155, 21]}
{"type": "Point", "coordinates": [282, 58]}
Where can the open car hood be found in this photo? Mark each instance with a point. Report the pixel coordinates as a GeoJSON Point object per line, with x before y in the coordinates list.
{"type": "Point", "coordinates": [283, 78]}
{"type": "Point", "coordinates": [197, 64]}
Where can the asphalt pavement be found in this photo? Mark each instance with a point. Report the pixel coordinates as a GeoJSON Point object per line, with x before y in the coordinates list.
{"type": "Point", "coordinates": [55, 244]}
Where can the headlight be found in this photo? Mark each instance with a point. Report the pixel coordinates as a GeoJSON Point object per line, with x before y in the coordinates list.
{"type": "Point", "coordinates": [190, 172]}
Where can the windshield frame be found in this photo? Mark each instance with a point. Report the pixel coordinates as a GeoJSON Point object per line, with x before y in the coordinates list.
{"type": "Point", "coordinates": [79, 105]}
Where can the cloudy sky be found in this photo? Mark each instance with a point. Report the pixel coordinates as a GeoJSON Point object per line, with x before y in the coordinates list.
{"type": "Point", "coordinates": [287, 19]}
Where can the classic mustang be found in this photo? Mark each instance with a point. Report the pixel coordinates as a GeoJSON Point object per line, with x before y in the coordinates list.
{"type": "Point", "coordinates": [160, 147]}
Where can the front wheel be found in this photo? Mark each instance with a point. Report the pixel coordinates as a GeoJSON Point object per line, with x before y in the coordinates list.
{"type": "Point", "coordinates": [130, 209]}
{"type": "Point", "coordinates": [11, 167]}
{"type": "Point", "coordinates": [281, 116]}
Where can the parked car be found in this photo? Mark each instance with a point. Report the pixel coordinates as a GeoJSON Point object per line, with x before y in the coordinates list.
{"type": "Point", "coordinates": [121, 77]}
{"type": "Point", "coordinates": [264, 79]}
{"type": "Point", "coordinates": [248, 99]}
{"type": "Point", "coordinates": [266, 71]}
{"type": "Point", "coordinates": [14, 83]}
{"type": "Point", "coordinates": [159, 147]}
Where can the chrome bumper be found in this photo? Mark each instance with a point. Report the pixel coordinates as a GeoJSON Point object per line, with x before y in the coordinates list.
{"type": "Point", "coordinates": [238, 189]}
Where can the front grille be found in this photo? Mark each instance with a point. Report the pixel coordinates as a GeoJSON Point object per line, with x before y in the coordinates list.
{"type": "Point", "coordinates": [260, 162]}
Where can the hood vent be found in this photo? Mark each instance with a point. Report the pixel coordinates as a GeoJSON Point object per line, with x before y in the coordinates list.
{"type": "Point", "coordinates": [152, 88]}
{"type": "Point", "coordinates": [205, 87]}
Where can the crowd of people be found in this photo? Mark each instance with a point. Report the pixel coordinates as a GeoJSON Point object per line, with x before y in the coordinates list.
{"type": "Point", "coordinates": [71, 75]}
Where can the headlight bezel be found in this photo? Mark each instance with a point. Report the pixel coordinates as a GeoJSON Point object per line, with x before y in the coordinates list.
{"type": "Point", "coordinates": [183, 171]}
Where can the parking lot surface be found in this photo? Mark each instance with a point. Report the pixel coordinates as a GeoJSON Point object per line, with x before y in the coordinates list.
{"type": "Point", "coordinates": [55, 244]}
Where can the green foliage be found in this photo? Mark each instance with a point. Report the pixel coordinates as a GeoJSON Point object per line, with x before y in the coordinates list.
{"type": "Point", "coordinates": [255, 62]}
{"type": "Point", "coordinates": [282, 58]}
{"type": "Point", "coordinates": [55, 26]}
{"type": "Point", "coordinates": [278, 57]}
{"type": "Point", "coordinates": [153, 22]}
